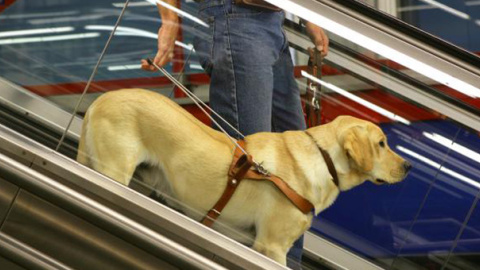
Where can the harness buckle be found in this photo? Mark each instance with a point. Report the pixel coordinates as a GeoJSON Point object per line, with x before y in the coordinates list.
{"type": "Point", "coordinates": [259, 168]}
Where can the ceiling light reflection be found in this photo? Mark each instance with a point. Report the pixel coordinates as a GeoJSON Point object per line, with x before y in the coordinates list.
{"type": "Point", "coordinates": [124, 67]}
{"type": "Point", "coordinates": [454, 146]}
{"type": "Point", "coordinates": [179, 12]}
{"type": "Point", "coordinates": [447, 9]}
{"type": "Point", "coordinates": [130, 31]}
{"type": "Point", "coordinates": [355, 98]}
{"type": "Point", "coordinates": [47, 38]}
{"type": "Point", "coordinates": [196, 66]}
{"type": "Point", "coordinates": [132, 4]}
{"type": "Point", "coordinates": [36, 31]}
{"type": "Point", "coordinates": [437, 166]}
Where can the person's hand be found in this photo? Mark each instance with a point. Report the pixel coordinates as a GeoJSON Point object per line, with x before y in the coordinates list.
{"type": "Point", "coordinates": [167, 34]}
{"type": "Point", "coordinates": [318, 37]}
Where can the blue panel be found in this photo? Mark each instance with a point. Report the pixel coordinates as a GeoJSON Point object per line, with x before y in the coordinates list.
{"type": "Point", "coordinates": [457, 23]}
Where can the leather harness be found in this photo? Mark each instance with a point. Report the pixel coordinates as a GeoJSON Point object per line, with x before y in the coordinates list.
{"type": "Point", "coordinates": [243, 167]}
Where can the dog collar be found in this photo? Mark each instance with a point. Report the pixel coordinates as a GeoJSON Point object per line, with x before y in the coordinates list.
{"type": "Point", "coordinates": [328, 161]}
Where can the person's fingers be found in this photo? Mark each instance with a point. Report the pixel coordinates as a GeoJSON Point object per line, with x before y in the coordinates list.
{"type": "Point", "coordinates": [146, 66]}
{"type": "Point", "coordinates": [166, 42]}
{"type": "Point", "coordinates": [322, 42]}
{"type": "Point", "coordinates": [162, 58]}
{"type": "Point", "coordinates": [319, 45]}
{"type": "Point", "coordinates": [326, 44]}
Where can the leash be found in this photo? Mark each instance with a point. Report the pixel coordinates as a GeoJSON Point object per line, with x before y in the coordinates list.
{"type": "Point", "coordinates": [94, 72]}
{"type": "Point", "coordinates": [180, 75]}
{"type": "Point", "coordinates": [314, 89]}
{"type": "Point", "coordinates": [314, 108]}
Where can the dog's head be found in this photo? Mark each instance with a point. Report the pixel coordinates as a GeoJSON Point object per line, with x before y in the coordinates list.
{"type": "Point", "coordinates": [368, 153]}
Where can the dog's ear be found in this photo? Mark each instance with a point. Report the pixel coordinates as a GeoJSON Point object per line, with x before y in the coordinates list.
{"type": "Point", "coordinates": [358, 148]}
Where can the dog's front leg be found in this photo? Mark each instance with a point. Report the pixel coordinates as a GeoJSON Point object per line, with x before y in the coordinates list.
{"type": "Point", "coordinates": [276, 232]}
{"type": "Point", "coordinates": [274, 252]}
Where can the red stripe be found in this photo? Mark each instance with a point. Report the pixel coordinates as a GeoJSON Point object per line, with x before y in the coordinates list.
{"type": "Point", "coordinates": [104, 86]}
{"type": "Point", "coordinates": [6, 4]}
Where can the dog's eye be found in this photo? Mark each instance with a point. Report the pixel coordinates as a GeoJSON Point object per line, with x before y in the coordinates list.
{"type": "Point", "coordinates": [382, 144]}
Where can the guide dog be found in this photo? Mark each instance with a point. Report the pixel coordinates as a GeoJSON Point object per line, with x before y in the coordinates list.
{"type": "Point", "coordinates": [125, 128]}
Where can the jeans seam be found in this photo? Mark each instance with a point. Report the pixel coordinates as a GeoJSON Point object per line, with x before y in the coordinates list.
{"type": "Point", "coordinates": [212, 47]}
{"type": "Point", "coordinates": [234, 84]}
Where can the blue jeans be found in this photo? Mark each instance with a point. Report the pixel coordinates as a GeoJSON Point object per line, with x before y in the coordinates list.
{"type": "Point", "coordinates": [245, 52]}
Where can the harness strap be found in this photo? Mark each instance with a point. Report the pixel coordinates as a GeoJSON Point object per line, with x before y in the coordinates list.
{"type": "Point", "coordinates": [240, 169]}
{"type": "Point", "coordinates": [236, 174]}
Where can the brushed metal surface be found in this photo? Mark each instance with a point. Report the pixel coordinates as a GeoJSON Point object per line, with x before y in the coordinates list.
{"type": "Point", "coordinates": [7, 195]}
{"type": "Point", "coordinates": [37, 108]}
{"type": "Point", "coordinates": [71, 240]}
{"type": "Point", "coordinates": [7, 264]}
{"type": "Point", "coordinates": [23, 256]}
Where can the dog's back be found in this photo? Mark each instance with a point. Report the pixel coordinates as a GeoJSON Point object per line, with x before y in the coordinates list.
{"type": "Point", "coordinates": [124, 128]}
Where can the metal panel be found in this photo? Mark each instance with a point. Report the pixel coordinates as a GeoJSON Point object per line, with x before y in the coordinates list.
{"type": "Point", "coordinates": [336, 255]}
{"type": "Point", "coordinates": [16, 153]}
{"type": "Point", "coordinates": [20, 255]}
{"type": "Point", "coordinates": [8, 264]}
{"type": "Point", "coordinates": [69, 239]}
{"type": "Point", "coordinates": [128, 231]}
{"type": "Point", "coordinates": [8, 192]}
{"type": "Point", "coordinates": [38, 108]}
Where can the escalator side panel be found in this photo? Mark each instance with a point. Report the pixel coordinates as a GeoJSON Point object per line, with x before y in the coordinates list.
{"type": "Point", "coordinates": [71, 240]}
{"type": "Point", "coordinates": [8, 192]}
{"type": "Point", "coordinates": [7, 264]}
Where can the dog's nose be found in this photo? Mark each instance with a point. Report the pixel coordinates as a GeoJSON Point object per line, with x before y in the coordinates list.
{"type": "Point", "coordinates": [407, 166]}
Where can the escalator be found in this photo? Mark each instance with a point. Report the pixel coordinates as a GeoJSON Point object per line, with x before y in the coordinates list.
{"type": "Point", "coordinates": [65, 216]}
{"type": "Point", "coordinates": [424, 97]}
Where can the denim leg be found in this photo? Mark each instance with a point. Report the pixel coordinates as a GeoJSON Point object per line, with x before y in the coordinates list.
{"type": "Point", "coordinates": [287, 107]}
{"type": "Point", "coordinates": [242, 77]}
{"type": "Point", "coordinates": [294, 256]}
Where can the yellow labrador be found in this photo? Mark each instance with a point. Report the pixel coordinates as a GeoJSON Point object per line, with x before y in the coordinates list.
{"type": "Point", "coordinates": [127, 127]}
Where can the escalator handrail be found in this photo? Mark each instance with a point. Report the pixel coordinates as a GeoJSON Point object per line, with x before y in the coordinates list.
{"type": "Point", "coordinates": [410, 30]}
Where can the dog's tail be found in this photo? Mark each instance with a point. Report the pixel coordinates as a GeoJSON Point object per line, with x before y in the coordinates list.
{"type": "Point", "coordinates": [82, 155]}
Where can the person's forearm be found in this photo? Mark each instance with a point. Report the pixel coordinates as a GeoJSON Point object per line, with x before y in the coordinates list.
{"type": "Point", "coordinates": [167, 34]}
{"type": "Point", "coordinates": [166, 13]}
